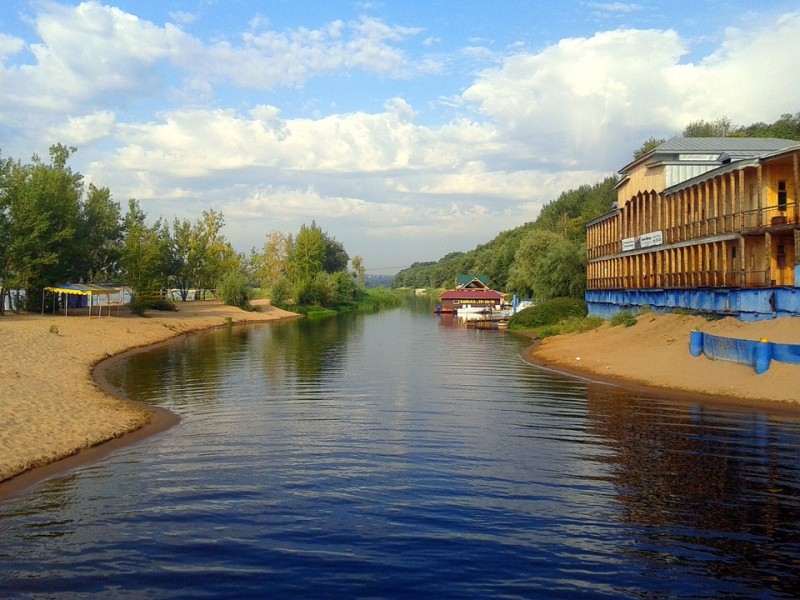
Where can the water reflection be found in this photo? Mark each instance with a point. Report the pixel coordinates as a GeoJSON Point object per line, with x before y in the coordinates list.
{"type": "Point", "coordinates": [397, 455]}
{"type": "Point", "coordinates": [705, 488]}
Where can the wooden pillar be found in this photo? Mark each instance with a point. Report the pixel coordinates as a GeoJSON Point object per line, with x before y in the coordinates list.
{"type": "Point", "coordinates": [766, 264]}
{"type": "Point", "coordinates": [724, 264]}
{"type": "Point", "coordinates": [760, 192]}
{"type": "Point", "coordinates": [796, 177]}
{"type": "Point", "coordinates": [742, 263]}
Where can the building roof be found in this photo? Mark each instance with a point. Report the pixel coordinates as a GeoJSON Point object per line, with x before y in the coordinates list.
{"type": "Point", "coordinates": [750, 145]}
{"type": "Point", "coordinates": [472, 295]}
{"type": "Point", "coordinates": [732, 166]}
{"type": "Point", "coordinates": [709, 150]}
{"type": "Point", "coordinates": [462, 280]}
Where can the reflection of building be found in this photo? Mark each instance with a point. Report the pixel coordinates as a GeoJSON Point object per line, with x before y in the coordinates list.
{"type": "Point", "coordinates": [702, 223]}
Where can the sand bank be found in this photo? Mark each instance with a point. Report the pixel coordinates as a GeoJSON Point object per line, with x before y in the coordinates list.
{"type": "Point", "coordinates": [51, 407]}
{"type": "Point", "coordinates": [655, 353]}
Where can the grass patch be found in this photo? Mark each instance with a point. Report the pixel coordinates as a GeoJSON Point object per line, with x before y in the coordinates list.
{"type": "Point", "coordinates": [624, 317]}
{"type": "Point", "coordinates": [555, 317]}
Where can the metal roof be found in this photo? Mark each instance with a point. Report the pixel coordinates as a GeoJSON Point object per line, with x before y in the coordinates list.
{"type": "Point", "coordinates": [719, 145]}
{"type": "Point", "coordinates": [725, 148]}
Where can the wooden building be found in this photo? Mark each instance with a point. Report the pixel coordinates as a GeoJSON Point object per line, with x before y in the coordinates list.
{"type": "Point", "coordinates": [471, 292]}
{"type": "Point", "coordinates": [467, 298]}
{"type": "Point", "coordinates": [700, 214]}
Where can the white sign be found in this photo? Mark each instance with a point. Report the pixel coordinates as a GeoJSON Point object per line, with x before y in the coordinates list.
{"type": "Point", "coordinates": [647, 240]}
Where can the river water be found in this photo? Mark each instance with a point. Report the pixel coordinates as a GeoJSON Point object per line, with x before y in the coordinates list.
{"type": "Point", "coordinates": [395, 455]}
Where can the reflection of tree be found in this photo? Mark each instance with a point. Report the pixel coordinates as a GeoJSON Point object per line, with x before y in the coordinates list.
{"type": "Point", "coordinates": [198, 367]}
{"type": "Point", "coordinates": [313, 347]}
{"type": "Point", "coordinates": [196, 362]}
{"type": "Point", "coordinates": [718, 488]}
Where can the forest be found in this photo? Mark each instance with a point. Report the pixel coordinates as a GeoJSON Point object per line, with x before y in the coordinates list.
{"type": "Point", "coordinates": [546, 258]}
{"type": "Point", "coordinates": [54, 229]}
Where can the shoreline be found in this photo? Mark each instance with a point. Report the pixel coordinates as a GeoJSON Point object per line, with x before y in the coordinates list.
{"type": "Point", "coordinates": [653, 357]}
{"type": "Point", "coordinates": [58, 413]}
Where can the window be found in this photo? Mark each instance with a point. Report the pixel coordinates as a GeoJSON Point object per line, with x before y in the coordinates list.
{"type": "Point", "coordinates": [781, 195]}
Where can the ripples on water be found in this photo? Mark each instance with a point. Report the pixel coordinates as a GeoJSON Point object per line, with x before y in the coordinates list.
{"type": "Point", "coordinates": [393, 456]}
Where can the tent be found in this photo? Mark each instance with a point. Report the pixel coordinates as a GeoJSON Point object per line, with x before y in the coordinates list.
{"type": "Point", "coordinates": [83, 289]}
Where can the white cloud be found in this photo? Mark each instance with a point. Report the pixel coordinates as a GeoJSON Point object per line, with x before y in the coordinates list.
{"type": "Point", "coordinates": [585, 99]}
{"type": "Point", "coordinates": [85, 129]}
{"type": "Point", "coordinates": [517, 135]}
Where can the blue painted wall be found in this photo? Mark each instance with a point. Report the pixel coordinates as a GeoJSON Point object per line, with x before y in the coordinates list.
{"type": "Point", "coordinates": [746, 305]}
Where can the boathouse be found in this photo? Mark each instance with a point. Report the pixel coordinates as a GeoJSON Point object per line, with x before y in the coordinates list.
{"type": "Point", "coordinates": [706, 224]}
{"type": "Point", "coordinates": [453, 300]}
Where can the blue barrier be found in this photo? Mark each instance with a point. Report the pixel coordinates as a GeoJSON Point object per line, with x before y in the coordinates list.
{"type": "Point", "coordinates": [757, 354]}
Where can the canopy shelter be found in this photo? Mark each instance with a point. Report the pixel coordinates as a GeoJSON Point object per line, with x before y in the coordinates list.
{"type": "Point", "coordinates": [83, 289]}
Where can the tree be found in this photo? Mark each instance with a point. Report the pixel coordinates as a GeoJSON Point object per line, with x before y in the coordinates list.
{"type": "Point", "coordinates": [143, 250]}
{"type": "Point", "coordinates": [336, 258]}
{"type": "Point", "coordinates": [307, 253]}
{"type": "Point", "coordinates": [359, 272]}
{"type": "Point", "coordinates": [40, 207]}
{"type": "Point", "coordinates": [722, 127]}
{"type": "Point", "coordinates": [649, 145]}
{"type": "Point", "coordinates": [99, 235]}
{"type": "Point", "coordinates": [548, 265]}
{"type": "Point", "coordinates": [270, 265]}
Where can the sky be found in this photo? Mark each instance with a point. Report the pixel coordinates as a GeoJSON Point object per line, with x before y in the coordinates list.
{"type": "Point", "coordinates": [405, 130]}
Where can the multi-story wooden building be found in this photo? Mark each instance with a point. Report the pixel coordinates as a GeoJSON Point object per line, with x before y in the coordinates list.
{"type": "Point", "coordinates": [702, 223]}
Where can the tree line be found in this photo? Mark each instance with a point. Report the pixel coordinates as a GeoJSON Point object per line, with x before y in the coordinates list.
{"type": "Point", "coordinates": [55, 229]}
{"type": "Point", "coordinates": [546, 258]}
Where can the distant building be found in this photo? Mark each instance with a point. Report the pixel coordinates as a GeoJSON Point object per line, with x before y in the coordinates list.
{"type": "Point", "coordinates": [453, 300]}
{"type": "Point", "coordinates": [709, 224]}
{"type": "Point", "coordinates": [472, 291]}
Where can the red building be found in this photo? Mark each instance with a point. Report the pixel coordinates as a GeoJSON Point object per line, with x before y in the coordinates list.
{"type": "Point", "coordinates": [462, 298]}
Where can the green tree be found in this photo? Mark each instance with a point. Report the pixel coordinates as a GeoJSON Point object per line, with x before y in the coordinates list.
{"type": "Point", "coordinates": [547, 266]}
{"type": "Point", "coordinates": [99, 235]}
{"type": "Point", "coordinates": [336, 258]}
{"type": "Point", "coordinates": [40, 207]}
{"type": "Point", "coordinates": [722, 127]}
{"type": "Point", "coordinates": [648, 146]}
{"type": "Point", "coordinates": [271, 264]}
{"type": "Point", "coordinates": [307, 254]}
{"type": "Point", "coordinates": [143, 250]}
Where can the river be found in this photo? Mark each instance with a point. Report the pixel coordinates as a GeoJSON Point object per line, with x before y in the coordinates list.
{"type": "Point", "coordinates": [395, 455]}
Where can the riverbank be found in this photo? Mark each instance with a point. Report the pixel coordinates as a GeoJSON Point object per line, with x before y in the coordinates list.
{"type": "Point", "coordinates": [51, 408]}
{"type": "Point", "coordinates": [655, 353]}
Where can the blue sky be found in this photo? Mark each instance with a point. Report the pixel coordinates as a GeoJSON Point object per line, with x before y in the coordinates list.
{"type": "Point", "coordinates": [406, 130]}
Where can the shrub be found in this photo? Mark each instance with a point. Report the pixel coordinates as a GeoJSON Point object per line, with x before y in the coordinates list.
{"type": "Point", "coordinates": [623, 317]}
{"type": "Point", "coordinates": [139, 303]}
{"type": "Point", "coordinates": [163, 304]}
{"type": "Point", "coordinates": [280, 294]}
{"type": "Point", "coordinates": [234, 290]}
{"type": "Point", "coordinates": [548, 313]}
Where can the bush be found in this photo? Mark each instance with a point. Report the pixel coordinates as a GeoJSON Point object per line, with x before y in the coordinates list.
{"type": "Point", "coordinates": [234, 290]}
{"type": "Point", "coordinates": [551, 312]}
{"type": "Point", "coordinates": [623, 317]}
{"type": "Point", "coordinates": [140, 303]}
{"type": "Point", "coordinates": [163, 304]}
{"type": "Point", "coordinates": [280, 294]}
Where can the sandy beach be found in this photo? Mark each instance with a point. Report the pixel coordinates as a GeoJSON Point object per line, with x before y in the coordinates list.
{"type": "Point", "coordinates": [50, 405]}
{"type": "Point", "coordinates": [655, 353]}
